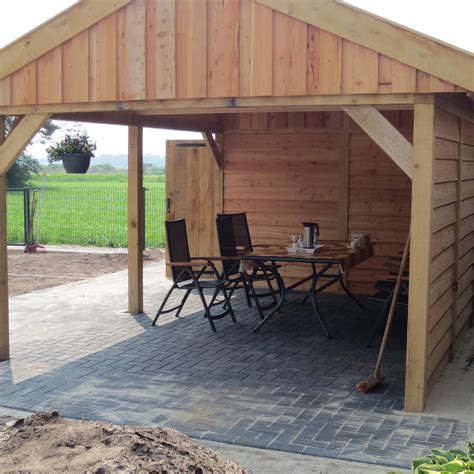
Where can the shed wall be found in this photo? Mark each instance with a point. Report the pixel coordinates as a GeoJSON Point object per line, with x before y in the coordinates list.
{"type": "Point", "coordinates": [451, 275]}
{"type": "Point", "coordinates": [285, 168]}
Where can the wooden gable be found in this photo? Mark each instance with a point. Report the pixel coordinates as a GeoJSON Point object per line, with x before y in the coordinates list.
{"type": "Point", "coordinates": [167, 49]}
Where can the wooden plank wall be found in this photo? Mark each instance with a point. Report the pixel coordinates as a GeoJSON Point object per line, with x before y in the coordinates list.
{"type": "Point", "coordinates": [285, 168]}
{"type": "Point", "coordinates": [452, 255]}
{"type": "Point", "coordinates": [163, 49]}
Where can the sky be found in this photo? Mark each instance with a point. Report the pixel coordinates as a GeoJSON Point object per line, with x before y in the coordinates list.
{"type": "Point", "coordinates": [452, 25]}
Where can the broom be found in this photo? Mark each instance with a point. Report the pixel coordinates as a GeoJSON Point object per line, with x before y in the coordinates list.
{"type": "Point", "coordinates": [373, 380]}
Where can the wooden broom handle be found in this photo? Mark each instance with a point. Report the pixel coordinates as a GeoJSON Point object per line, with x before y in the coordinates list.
{"type": "Point", "coordinates": [393, 306]}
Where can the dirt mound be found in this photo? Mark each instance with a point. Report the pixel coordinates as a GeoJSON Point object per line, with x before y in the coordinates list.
{"type": "Point", "coordinates": [46, 442]}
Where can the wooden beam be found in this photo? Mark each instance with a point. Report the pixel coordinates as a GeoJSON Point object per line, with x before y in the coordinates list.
{"type": "Point", "coordinates": [4, 316]}
{"type": "Point", "coordinates": [382, 132]}
{"type": "Point", "coordinates": [420, 257]}
{"type": "Point", "coordinates": [135, 220]}
{"type": "Point", "coordinates": [199, 123]}
{"type": "Point", "coordinates": [54, 32]}
{"type": "Point", "coordinates": [415, 49]}
{"type": "Point", "coordinates": [213, 148]}
{"type": "Point", "coordinates": [19, 138]}
{"type": "Point", "coordinates": [229, 105]}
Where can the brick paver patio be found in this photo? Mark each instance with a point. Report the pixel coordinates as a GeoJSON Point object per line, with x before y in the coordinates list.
{"type": "Point", "coordinates": [288, 388]}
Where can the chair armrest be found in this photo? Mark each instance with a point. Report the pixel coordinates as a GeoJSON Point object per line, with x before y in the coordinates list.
{"type": "Point", "coordinates": [196, 263]}
{"type": "Point", "coordinates": [216, 258]}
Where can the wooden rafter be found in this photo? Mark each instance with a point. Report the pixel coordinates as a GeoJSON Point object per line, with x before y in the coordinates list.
{"type": "Point", "coordinates": [382, 132]}
{"type": "Point", "coordinates": [415, 49]}
{"type": "Point", "coordinates": [62, 27]}
{"type": "Point", "coordinates": [19, 138]}
{"type": "Point", "coordinates": [213, 148]}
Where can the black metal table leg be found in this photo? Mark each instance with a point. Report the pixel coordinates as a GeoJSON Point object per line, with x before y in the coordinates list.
{"type": "Point", "coordinates": [312, 294]}
{"type": "Point", "coordinates": [348, 293]}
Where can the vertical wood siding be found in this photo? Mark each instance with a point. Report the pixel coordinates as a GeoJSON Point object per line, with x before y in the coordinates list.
{"type": "Point", "coordinates": [157, 49]}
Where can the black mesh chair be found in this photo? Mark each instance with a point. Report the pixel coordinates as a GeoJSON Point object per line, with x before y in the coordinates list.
{"type": "Point", "coordinates": [229, 245]}
{"type": "Point", "coordinates": [186, 278]}
{"type": "Point", "coordinates": [240, 226]}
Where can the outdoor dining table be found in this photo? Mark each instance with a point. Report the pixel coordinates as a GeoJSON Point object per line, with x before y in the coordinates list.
{"type": "Point", "coordinates": [329, 262]}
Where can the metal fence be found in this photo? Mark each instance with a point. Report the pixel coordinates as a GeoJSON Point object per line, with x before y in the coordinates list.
{"type": "Point", "coordinates": [82, 216]}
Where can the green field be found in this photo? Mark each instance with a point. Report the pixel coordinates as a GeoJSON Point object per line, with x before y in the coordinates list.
{"type": "Point", "coordinates": [87, 210]}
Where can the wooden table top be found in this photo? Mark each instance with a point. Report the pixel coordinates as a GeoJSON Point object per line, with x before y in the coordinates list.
{"type": "Point", "coordinates": [334, 251]}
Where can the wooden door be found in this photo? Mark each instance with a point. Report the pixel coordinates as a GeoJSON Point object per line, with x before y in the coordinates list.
{"type": "Point", "coordinates": [194, 192]}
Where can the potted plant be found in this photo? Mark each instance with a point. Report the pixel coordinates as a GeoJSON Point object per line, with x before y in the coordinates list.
{"type": "Point", "coordinates": [75, 150]}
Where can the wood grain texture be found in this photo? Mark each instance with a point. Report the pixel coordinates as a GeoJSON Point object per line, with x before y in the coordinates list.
{"type": "Point", "coordinates": [24, 85]}
{"type": "Point", "coordinates": [75, 63]}
{"type": "Point", "coordinates": [19, 139]}
{"type": "Point", "coordinates": [103, 60]}
{"type": "Point", "coordinates": [191, 48]}
{"type": "Point", "coordinates": [49, 71]}
{"type": "Point", "coordinates": [161, 50]}
{"type": "Point", "coordinates": [330, 63]}
{"type": "Point", "coordinates": [6, 91]}
{"type": "Point", "coordinates": [384, 134]}
{"type": "Point", "coordinates": [420, 257]}
{"type": "Point", "coordinates": [289, 177]}
{"type": "Point", "coordinates": [54, 32]}
{"type": "Point", "coordinates": [289, 56]}
{"type": "Point", "coordinates": [135, 220]}
{"type": "Point", "coordinates": [415, 50]}
{"type": "Point", "coordinates": [223, 18]}
{"type": "Point", "coordinates": [131, 75]}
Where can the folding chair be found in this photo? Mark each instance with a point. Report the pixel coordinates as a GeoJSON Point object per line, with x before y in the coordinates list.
{"type": "Point", "coordinates": [233, 235]}
{"type": "Point", "coordinates": [186, 278]}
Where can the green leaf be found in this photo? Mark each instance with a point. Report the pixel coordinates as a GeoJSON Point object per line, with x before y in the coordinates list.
{"type": "Point", "coordinates": [459, 453]}
{"type": "Point", "coordinates": [454, 466]}
{"type": "Point", "coordinates": [430, 469]}
{"type": "Point", "coordinates": [446, 454]}
{"type": "Point", "coordinates": [418, 461]}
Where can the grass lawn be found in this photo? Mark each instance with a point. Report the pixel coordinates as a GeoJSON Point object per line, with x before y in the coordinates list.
{"type": "Point", "coordinates": [88, 210]}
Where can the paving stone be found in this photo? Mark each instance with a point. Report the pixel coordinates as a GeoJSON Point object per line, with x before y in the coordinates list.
{"type": "Point", "coordinates": [286, 388]}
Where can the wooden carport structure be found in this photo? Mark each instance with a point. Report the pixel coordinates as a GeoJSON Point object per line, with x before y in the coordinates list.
{"type": "Point", "coordinates": [292, 91]}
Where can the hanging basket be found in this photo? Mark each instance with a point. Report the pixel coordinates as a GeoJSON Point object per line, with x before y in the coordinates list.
{"type": "Point", "coordinates": [76, 163]}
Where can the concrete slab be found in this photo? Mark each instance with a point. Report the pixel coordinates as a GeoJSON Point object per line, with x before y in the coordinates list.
{"type": "Point", "coordinates": [264, 461]}
{"type": "Point", "coordinates": [453, 394]}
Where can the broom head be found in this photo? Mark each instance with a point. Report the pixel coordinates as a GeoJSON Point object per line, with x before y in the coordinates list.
{"type": "Point", "coordinates": [369, 383]}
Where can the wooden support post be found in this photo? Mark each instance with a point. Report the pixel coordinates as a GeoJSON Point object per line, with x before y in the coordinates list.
{"type": "Point", "coordinates": [4, 317]}
{"type": "Point", "coordinates": [420, 256]}
{"type": "Point", "coordinates": [135, 220]}
{"type": "Point", "coordinates": [213, 148]}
